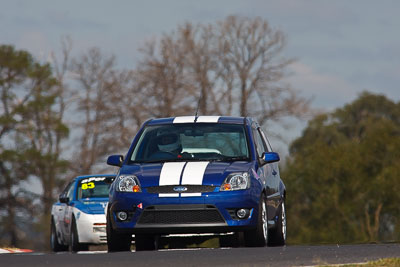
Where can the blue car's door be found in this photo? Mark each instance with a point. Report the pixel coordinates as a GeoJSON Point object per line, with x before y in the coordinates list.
{"type": "Point", "coordinates": [269, 172]}
{"type": "Point", "coordinates": [274, 178]}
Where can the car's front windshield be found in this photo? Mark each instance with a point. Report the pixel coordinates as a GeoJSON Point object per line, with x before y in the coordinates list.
{"type": "Point", "coordinates": [93, 187]}
{"type": "Point", "coordinates": [195, 141]}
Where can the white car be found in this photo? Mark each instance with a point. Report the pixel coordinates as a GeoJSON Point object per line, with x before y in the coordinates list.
{"type": "Point", "coordinates": [78, 219]}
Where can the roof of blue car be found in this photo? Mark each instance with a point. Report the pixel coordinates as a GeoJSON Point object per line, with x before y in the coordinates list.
{"type": "Point", "coordinates": [198, 119]}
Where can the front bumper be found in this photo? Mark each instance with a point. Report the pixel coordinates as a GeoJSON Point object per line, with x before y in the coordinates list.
{"type": "Point", "coordinates": [213, 212]}
{"type": "Point", "coordinates": [91, 228]}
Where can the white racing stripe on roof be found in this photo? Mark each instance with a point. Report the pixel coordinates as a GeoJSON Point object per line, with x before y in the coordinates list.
{"type": "Point", "coordinates": [208, 119]}
{"type": "Point", "coordinates": [184, 119]}
{"type": "Point", "coordinates": [193, 175]}
{"type": "Point", "coordinates": [171, 175]}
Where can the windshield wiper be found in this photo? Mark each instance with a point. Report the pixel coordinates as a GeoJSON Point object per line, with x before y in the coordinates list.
{"type": "Point", "coordinates": [239, 158]}
{"type": "Point", "coordinates": [228, 159]}
{"type": "Point", "coordinates": [223, 159]}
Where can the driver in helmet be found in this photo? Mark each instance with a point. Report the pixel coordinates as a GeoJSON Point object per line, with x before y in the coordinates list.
{"type": "Point", "coordinates": [168, 143]}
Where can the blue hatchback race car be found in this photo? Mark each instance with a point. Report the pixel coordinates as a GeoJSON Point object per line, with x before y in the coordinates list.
{"type": "Point", "coordinates": [205, 174]}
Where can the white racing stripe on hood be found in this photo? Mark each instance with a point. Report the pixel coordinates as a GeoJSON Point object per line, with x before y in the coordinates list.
{"type": "Point", "coordinates": [184, 119]}
{"type": "Point", "coordinates": [207, 119]}
{"type": "Point", "coordinates": [193, 175]}
{"type": "Point", "coordinates": [171, 175]}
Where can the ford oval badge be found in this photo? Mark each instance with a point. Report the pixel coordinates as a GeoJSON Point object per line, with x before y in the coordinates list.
{"type": "Point", "coordinates": [180, 188]}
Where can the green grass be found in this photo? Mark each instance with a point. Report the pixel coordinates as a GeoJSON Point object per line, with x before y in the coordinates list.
{"type": "Point", "coordinates": [388, 262]}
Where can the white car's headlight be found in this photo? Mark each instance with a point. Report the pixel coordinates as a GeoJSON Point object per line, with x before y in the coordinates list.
{"type": "Point", "coordinates": [236, 181]}
{"type": "Point", "coordinates": [128, 183]}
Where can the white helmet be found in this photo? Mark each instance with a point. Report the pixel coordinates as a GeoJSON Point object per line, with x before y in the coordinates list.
{"type": "Point", "coordinates": [168, 140]}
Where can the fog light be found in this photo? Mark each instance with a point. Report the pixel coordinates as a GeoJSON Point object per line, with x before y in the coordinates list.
{"type": "Point", "coordinates": [122, 215]}
{"type": "Point", "coordinates": [242, 213]}
{"type": "Point", "coordinates": [99, 230]}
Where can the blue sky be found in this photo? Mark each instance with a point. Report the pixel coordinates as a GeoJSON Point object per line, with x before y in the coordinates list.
{"type": "Point", "coordinates": [342, 47]}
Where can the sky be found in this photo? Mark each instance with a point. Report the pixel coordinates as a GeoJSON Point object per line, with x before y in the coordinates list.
{"type": "Point", "coordinates": [341, 47]}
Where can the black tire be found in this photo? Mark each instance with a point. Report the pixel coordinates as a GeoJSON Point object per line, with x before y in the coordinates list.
{"type": "Point", "coordinates": [277, 236]}
{"type": "Point", "coordinates": [259, 236]}
{"type": "Point", "coordinates": [115, 241]}
{"type": "Point", "coordinates": [74, 244]}
{"type": "Point", "coordinates": [234, 241]}
{"type": "Point", "coordinates": [54, 244]}
{"type": "Point", "coordinates": [145, 242]}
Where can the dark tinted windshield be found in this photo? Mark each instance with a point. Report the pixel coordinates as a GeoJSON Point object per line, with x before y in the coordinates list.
{"type": "Point", "coordinates": [93, 187]}
{"type": "Point", "coordinates": [200, 141]}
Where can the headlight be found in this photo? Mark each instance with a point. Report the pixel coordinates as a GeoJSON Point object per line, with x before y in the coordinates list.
{"type": "Point", "coordinates": [128, 183]}
{"type": "Point", "coordinates": [236, 181]}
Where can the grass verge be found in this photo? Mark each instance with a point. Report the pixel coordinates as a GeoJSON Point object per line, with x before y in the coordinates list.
{"type": "Point", "coordinates": [388, 262]}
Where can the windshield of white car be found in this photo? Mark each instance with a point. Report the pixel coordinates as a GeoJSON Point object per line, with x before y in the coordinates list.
{"type": "Point", "coordinates": [191, 142]}
{"type": "Point", "coordinates": [93, 187]}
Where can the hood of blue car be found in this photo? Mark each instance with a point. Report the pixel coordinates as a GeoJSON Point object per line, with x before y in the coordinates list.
{"type": "Point", "coordinates": [92, 205]}
{"type": "Point", "coordinates": [205, 173]}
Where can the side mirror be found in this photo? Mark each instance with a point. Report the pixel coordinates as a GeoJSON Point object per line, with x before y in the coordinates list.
{"type": "Point", "coordinates": [269, 157]}
{"type": "Point", "coordinates": [63, 199]}
{"type": "Point", "coordinates": [109, 180]}
{"type": "Point", "coordinates": [115, 160]}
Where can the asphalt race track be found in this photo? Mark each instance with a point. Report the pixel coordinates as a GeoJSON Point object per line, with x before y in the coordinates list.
{"type": "Point", "coordinates": [268, 256]}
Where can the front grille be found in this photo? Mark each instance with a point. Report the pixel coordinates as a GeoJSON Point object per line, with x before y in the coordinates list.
{"type": "Point", "coordinates": [183, 215]}
{"type": "Point", "coordinates": [190, 189]}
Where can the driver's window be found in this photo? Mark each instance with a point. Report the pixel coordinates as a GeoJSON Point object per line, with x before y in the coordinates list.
{"type": "Point", "coordinates": [266, 141]}
{"type": "Point", "coordinates": [260, 146]}
{"type": "Point", "coordinates": [65, 191]}
{"type": "Point", "coordinates": [70, 192]}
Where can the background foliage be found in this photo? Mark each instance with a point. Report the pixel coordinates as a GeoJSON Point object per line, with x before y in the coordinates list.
{"type": "Point", "coordinates": [343, 175]}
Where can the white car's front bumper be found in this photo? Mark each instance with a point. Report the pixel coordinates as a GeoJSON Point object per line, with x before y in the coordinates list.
{"type": "Point", "coordinates": [91, 228]}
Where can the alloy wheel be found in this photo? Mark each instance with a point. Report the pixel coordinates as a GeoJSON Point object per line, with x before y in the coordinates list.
{"type": "Point", "coordinates": [283, 221]}
{"type": "Point", "coordinates": [264, 221]}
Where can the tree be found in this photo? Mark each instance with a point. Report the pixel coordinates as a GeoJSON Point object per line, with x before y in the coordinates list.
{"type": "Point", "coordinates": [163, 78]}
{"type": "Point", "coordinates": [250, 56]}
{"type": "Point", "coordinates": [343, 172]}
{"type": "Point", "coordinates": [31, 130]}
{"type": "Point", "coordinates": [107, 107]}
{"type": "Point", "coordinates": [233, 67]}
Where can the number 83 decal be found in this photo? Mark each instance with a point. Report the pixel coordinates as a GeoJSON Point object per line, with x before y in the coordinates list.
{"type": "Point", "coordinates": [88, 186]}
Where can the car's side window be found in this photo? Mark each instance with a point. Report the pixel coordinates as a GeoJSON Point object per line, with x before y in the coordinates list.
{"type": "Point", "coordinates": [70, 192]}
{"type": "Point", "coordinates": [266, 141]}
{"type": "Point", "coordinates": [260, 146]}
{"type": "Point", "coordinates": [65, 191]}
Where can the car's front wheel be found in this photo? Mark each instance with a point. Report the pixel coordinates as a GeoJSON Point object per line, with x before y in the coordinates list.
{"type": "Point", "coordinates": [55, 245]}
{"type": "Point", "coordinates": [236, 240]}
{"type": "Point", "coordinates": [259, 236]}
{"type": "Point", "coordinates": [278, 235]}
{"type": "Point", "coordinates": [145, 242]}
{"type": "Point", "coordinates": [116, 241]}
{"type": "Point", "coordinates": [74, 244]}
